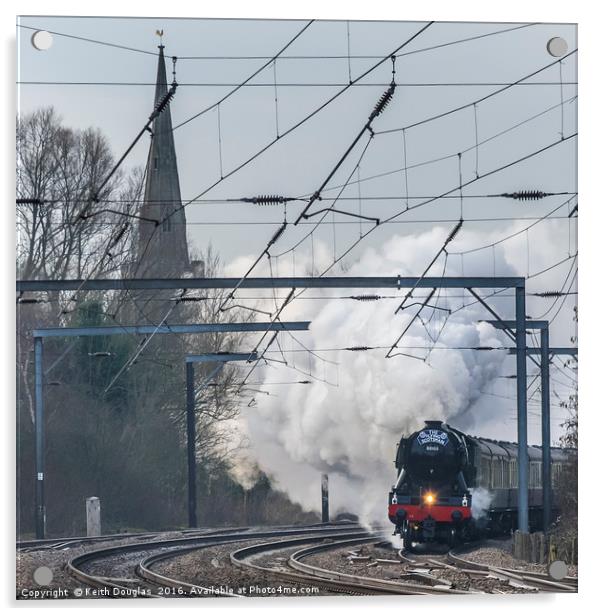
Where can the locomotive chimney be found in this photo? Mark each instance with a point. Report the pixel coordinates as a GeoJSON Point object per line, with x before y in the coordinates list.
{"type": "Point", "coordinates": [433, 423]}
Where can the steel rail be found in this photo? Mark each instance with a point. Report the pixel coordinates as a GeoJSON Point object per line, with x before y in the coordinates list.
{"type": "Point", "coordinates": [238, 559]}
{"type": "Point", "coordinates": [75, 564]}
{"type": "Point", "coordinates": [144, 571]}
{"type": "Point", "coordinates": [333, 579]}
{"type": "Point", "coordinates": [541, 580]}
{"type": "Point", "coordinates": [61, 543]}
{"type": "Point", "coordinates": [403, 588]}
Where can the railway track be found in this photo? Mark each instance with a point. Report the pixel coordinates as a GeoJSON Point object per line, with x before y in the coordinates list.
{"type": "Point", "coordinates": [62, 543]}
{"type": "Point", "coordinates": [326, 578]}
{"type": "Point", "coordinates": [126, 570]}
{"type": "Point", "coordinates": [477, 572]}
{"type": "Point", "coordinates": [141, 568]}
{"type": "Point", "coordinates": [540, 581]}
{"type": "Point", "coordinates": [130, 570]}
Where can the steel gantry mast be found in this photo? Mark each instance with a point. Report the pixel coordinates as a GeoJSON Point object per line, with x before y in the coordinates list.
{"type": "Point", "coordinates": [73, 332]}
{"type": "Point", "coordinates": [545, 353]}
{"type": "Point", "coordinates": [371, 282]}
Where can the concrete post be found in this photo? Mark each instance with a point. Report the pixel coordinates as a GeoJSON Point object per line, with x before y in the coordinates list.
{"type": "Point", "coordinates": [93, 516]}
{"type": "Point", "coordinates": [325, 512]}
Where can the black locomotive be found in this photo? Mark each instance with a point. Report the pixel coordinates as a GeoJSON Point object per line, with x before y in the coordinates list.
{"type": "Point", "coordinates": [451, 486]}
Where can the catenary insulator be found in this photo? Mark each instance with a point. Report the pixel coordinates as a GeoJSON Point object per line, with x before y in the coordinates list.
{"type": "Point", "coordinates": [365, 298]}
{"type": "Point", "coordinates": [119, 236]}
{"type": "Point", "coordinates": [266, 200]}
{"type": "Point", "coordinates": [526, 195]}
{"type": "Point", "coordinates": [384, 100]}
{"type": "Point", "coordinates": [164, 102]}
{"type": "Point", "coordinates": [549, 294]}
{"type": "Point", "coordinates": [454, 231]}
{"type": "Point", "coordinates": [277, 234]}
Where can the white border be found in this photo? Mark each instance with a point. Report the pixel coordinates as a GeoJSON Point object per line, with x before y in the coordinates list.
{"type": "Point", "coordinates": [582, 12]}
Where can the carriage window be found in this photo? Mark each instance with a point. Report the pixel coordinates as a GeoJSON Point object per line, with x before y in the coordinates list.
{"type": "Point", "coordinates": [513, 474]}
{"type": "Point", "coordinates": [535, 474]}
{"type": "Point", "coordinates": [486, 472]}
{"type": "Point", "coordinates": [497, 473]}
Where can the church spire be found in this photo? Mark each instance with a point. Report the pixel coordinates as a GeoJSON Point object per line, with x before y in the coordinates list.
{"type": "Point", "coordinates": [163, 250]}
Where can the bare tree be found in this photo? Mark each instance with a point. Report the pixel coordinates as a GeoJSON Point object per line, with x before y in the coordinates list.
{"type": "Point", "coordinates": [126, 442]}
{"type": "Point", "coordinates": [60, 170]}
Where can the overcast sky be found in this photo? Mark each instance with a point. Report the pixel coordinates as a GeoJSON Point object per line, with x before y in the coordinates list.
{"type": "Point", "coordinates": [299, 162]}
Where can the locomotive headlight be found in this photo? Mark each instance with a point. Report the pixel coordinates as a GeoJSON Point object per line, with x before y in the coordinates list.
{"type": "Point", "coordinates": [429, 498]}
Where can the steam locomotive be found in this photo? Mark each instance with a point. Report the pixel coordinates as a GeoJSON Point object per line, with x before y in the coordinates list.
{"type": "Point", "coordinates": [452, 487]}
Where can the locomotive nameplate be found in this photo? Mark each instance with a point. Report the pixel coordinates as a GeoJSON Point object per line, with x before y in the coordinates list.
{"type": "Point", "coordinates": [433, 436]}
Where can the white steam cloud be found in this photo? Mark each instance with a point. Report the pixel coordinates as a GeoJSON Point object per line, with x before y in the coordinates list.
{"type": "Point", "coordinates": [481, 499]}
{"type": "Point", "coordinates": [350, 430]}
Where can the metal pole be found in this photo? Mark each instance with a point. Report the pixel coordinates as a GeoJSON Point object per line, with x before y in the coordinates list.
{"type": "Point", "coordinates": [325, 513]}
{"type": "Point", "coordinates": [40, 511]}
{"type": "Point", "coordinates": [191, 442]}
{"type": "Point", "coordinates": [310, 282]}
{"type": "Point", "coordinates": [546, 461]}
{"type": "Point", "coordinates": [521, 400]}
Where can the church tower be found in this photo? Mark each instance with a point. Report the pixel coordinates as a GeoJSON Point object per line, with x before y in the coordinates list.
{"type": "Point", "coordinates": [162, 250]}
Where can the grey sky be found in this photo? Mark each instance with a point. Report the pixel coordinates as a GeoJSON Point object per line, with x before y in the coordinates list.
{"type": "Point", "coordinates": [298, 163]}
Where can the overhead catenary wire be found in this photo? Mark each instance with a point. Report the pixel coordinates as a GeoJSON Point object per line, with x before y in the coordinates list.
{"type": "Point", "coordinates": [287, 57]}
{"type": "Point", "coordinates": [245, 81]}
{"type": "Point", "coordinates": [561, 294]}
{"type": "Point", "coordinates": [412, 221]}
{"type": "Point", "coordinates": [287, 132]}
{"type": "Point", "coordinates": [512, 235]}
{"type": "Point", "coordinates": [540, 294]}
{"type": "Point", "coordinates": [378, 109]}
{"type": "Point", "coordinates": [275, 200]}
{"type": "Point", "coordinates": [503, 167]}
{"type": "Point", "coordinates": [477, 171]}
{"type": "Point", "coordinates": [299, 84]}
{"type": "Point", "coordinates": [451, 236]}
{"type": "Point", "coordinates": [479, 100]}
{"type": "Point", "coordinates": [301, 122]}
{"type": "Point", "coordinates": [438, 159]}
{"type": "Point", "coordinates": [113, 239]}
{"type": "Point", "coordinates": [379, 347]}
{"type": "Point", "coordinates": [160, 106]}
{"type": "Point", "coordinates": [563, 299]}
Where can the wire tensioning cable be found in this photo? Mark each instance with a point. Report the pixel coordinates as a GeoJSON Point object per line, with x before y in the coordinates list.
{"type": "Point", "coordinates": [512, 235]}
{"type": "Point", "coordinates": [479, 100]}
{"type": "Point", "coordinates": [378, 109]}
{"type": "Point", "coordinates": [288, 131]}
{"type": "Point", "coordinates": [438, 159]}
{"type": "Point", "coordinates": [469, 182]}
{"type": "Point", "coordinates": [159, 108]}
{"type": "Point", "coordinates": [315, 57]}
{"type": "Point", "coordinates": [246, 81]}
